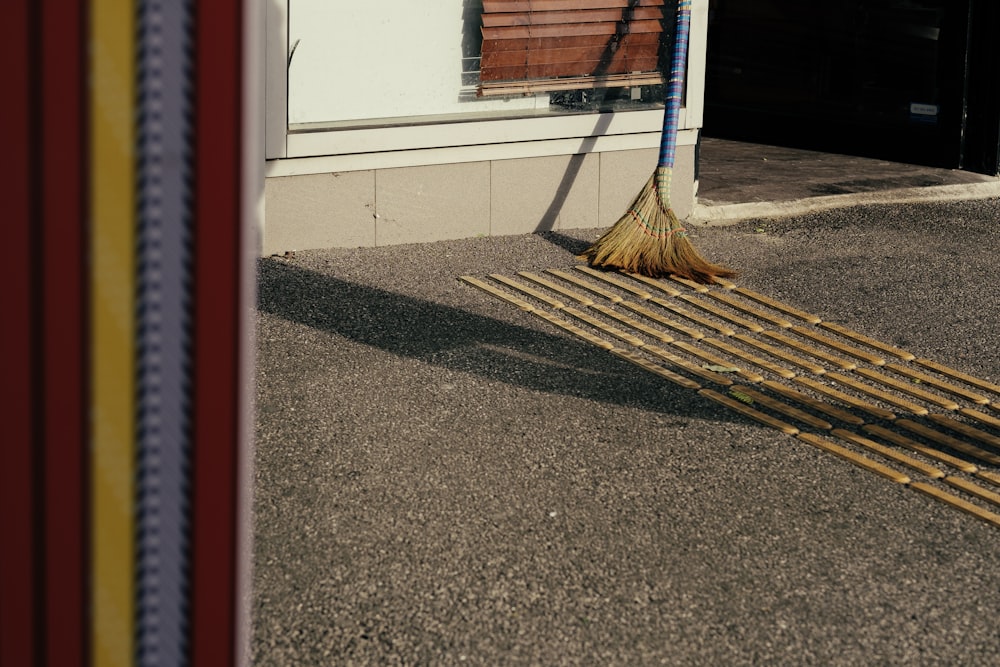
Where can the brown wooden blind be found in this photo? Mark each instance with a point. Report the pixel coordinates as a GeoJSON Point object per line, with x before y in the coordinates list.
{"type": "Point", "coordinates": [542, 45]}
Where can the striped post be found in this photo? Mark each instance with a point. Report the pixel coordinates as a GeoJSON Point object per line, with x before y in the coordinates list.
{"type": "Point", "coordinates": [123, 385]}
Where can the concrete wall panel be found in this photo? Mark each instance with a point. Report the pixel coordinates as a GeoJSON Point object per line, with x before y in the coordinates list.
{"type": "Point", "coordinates": [319, 211]}
{"type": "Point", "coordinates": [542, 194]}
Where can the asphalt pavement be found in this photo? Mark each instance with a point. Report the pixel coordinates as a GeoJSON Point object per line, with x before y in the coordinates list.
{"type": "Point", "coordinates": [443, 479]}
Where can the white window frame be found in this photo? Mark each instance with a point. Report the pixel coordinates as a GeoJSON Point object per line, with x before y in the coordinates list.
{"type": "Point", "coordinates": [474, 140]}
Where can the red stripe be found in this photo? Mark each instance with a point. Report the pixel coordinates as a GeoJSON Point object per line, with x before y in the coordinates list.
{"type": "Point", "coordinates": [17, 385]}
{"type": "Point", "coordinates": [216, 331]}
{"type": "Point", "coordinates": [63, 328]}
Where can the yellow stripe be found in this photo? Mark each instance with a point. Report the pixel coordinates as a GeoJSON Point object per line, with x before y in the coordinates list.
{"type": "Point", "coordinates": [113, 288]}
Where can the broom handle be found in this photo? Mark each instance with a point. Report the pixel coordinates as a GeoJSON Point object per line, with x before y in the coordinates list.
{"type": "Point", "coordinates": [675, 88]}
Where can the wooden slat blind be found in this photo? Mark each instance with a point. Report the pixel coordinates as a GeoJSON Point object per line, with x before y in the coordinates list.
{"type": "Point", "coordinates": [540, 45]}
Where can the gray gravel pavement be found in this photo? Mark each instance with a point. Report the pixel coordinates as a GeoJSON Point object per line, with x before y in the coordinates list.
{"type": "Point", "coordinates": [442, 479]}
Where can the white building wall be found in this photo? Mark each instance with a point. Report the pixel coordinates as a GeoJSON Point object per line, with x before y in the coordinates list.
{"type": "Point", "coordinates": [384, 59]}
{"type": "Point", "coordinates": [339, 176]}
{"type": "Point", "coordinates": [463, 200]}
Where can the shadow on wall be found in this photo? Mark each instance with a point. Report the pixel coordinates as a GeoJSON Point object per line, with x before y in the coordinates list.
{"type": "Point", "coordinates": [471, 48]}
{"type": "Point", "coordinates": [551, 215]}
{"type": "Point", "coordinates": [467, 342]}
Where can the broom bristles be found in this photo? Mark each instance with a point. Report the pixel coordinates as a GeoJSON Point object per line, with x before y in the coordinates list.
{"type": "Point", "coordinates": [650, 240]}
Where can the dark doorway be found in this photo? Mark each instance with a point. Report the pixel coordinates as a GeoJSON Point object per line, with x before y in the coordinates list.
{"type": "Point", "coordinates": [902, 80]}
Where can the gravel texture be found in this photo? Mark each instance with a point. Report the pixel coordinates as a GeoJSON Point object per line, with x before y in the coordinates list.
{"type": "Point", "coordinates": [442, 479]}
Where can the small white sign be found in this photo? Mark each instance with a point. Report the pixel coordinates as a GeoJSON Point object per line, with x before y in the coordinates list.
{"type": "Point", "coordinates": [923, 109]}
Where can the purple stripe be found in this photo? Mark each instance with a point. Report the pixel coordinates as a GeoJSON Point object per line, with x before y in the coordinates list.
{"type": "Point", "coordinates": [164, 304]}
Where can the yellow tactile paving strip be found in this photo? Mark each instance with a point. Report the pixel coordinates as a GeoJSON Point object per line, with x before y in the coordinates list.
{"type": "Point", "coordinates": [919, 423]}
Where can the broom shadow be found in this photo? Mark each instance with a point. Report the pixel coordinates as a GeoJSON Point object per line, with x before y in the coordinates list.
{"type": "Point", "coordinates": [466, 342]}
{"type": "Point", "coordinates": [546, 226]}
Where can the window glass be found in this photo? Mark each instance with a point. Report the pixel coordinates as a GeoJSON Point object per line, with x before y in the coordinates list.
{"type": "Point", "coordinates": [386, 62]}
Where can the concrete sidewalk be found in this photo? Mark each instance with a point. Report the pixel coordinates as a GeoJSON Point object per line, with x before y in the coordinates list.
{"type": "Point", "coordinates": [443, 479]}
{"type": "Point", "coordinates": [739, 180]}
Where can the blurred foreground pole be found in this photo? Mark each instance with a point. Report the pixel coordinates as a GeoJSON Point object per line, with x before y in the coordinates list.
{"type": "Point", "coordinates": [132, 184]}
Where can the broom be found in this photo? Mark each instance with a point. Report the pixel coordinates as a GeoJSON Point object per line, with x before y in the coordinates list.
{"type": "Point", "coordinates": [649, 239]}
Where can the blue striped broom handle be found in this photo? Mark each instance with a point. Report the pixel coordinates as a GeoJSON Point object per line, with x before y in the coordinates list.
{"type": "Point", "coordinates": [675, 92]}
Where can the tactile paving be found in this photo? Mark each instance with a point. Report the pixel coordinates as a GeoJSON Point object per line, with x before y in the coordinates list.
{"type": "Point", "coordinates": [910, 389]}
{"type": "Point", "coordinates": [916, 376]}
{"type": "Point", "coordinates": [823, 382]}
{"type": "Point", "coordinates": [524, 289]}
{"type": "Point", "coordinates": [579, 298]}
{"type": "Point", "coordinates": [785, 409]}
{"type": "Point", "coordinates": [855, 458]}
{"type": "Point", "coordinates": [921, 448]}
{"type": "Point", "coordinates": [846, 399]}
{"type": "Point", "coordinates": [777, 305]}
{"type": "Point", "coordinates": [751, 359]}
{"type": "Point", "coordinates": [599, 290]}
{"type": "Point", "coordinates": [810, 350]}
{"type": "Point", "coordinates": [610, 278]}
{"type": "Point", "coordinates": [781, 353]}
{"type": "Point", "coordinates": [721, 313]}
{"type": "Point", "coordinates": [814, 404]}
{"type": "Point", "coordinates": [671, 324]}
{"type": "Point", "coordinates": [684, 364]}
{"type": "Point", "coordinates": [959, 375]}
{"type": "Point", "coordinates": [745, 409]}
{"type": "Point", "coordinates": [982, 417]}
{"type": "Point", "coordinates": [749, 309]}
{"type": "Point", "coordinates": [967, 430]}
{"type": "Point", "coordinates": [865, 340]}
{"type": "Point", "coordinates": [876, 392]}
{"type": "Point", "coordinates": [839, 346]}
{"type": "Point", "coordinates": [889, 453]}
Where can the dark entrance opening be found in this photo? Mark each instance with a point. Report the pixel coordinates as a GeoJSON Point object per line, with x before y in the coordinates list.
{"type": "Point", "coordinates": [902, 80]}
